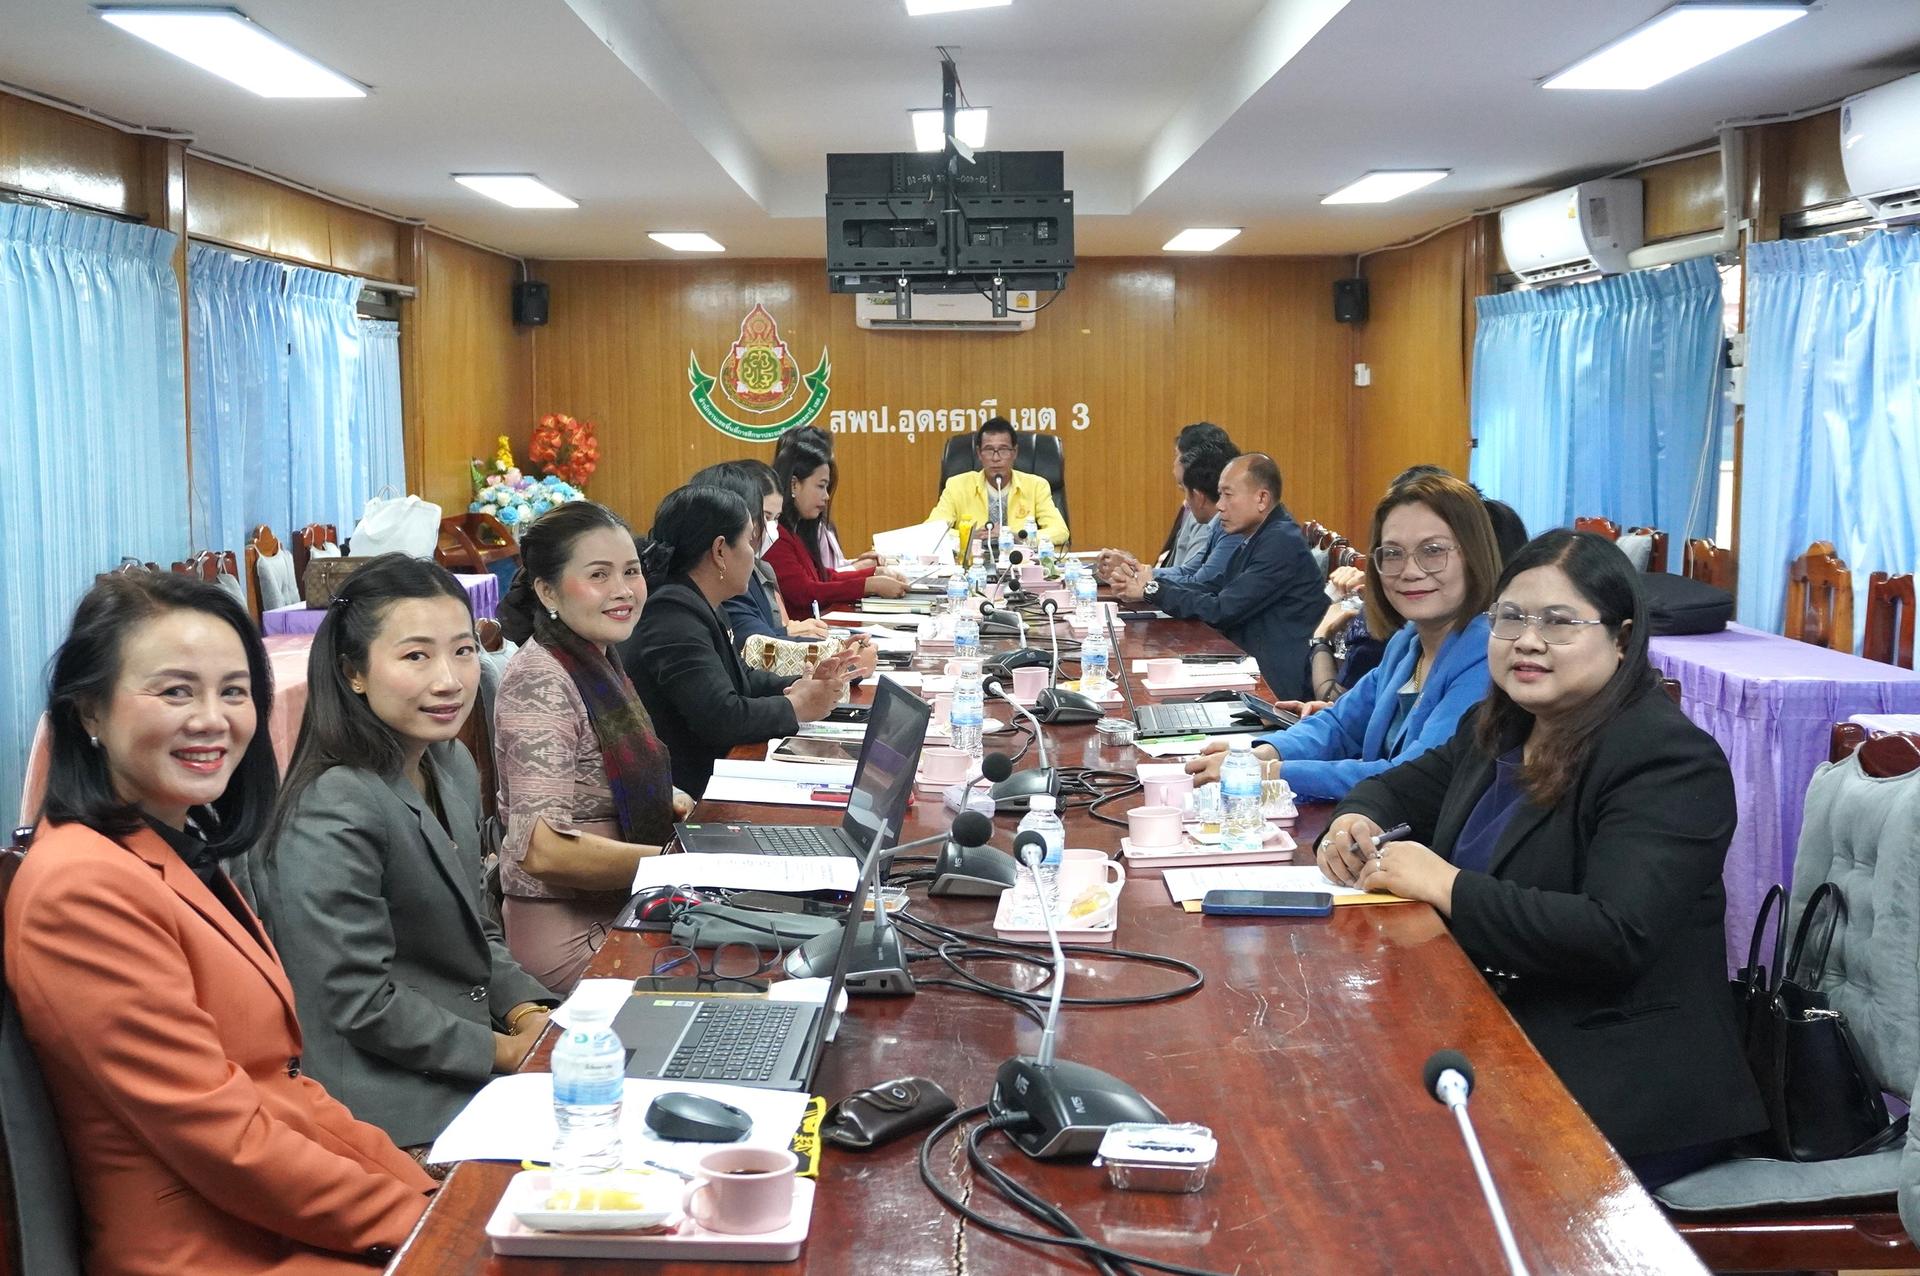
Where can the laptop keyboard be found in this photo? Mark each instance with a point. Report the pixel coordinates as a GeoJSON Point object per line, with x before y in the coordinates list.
{"type": "Point", "coordinates": [1178, 718]}
{"type": "Point", "coordinates": [732, 1041]}
{"type": "Point", "coordinates": [788, 839]}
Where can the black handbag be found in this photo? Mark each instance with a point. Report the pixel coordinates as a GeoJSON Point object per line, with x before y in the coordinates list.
{"type": "Point", "coordinates": [1682, 605]}
{"type": "Point", "coordinates": [1821, 1102]}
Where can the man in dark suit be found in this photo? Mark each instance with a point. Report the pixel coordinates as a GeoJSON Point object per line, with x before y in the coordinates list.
{"type": "Point", "coordinates": [1273, 593]}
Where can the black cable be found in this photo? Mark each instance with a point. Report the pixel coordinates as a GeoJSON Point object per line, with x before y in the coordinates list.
{"type": "Point", "coordinates": [1103, 1257]}
{"type": "Point", "coordinates": [1026, 310]}
{"type": "Point", "coordinates": [998, 949]}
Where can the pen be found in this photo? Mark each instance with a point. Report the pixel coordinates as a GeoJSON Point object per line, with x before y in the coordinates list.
{"type": "Point", "coordinates": [816, 609]}
{"type": "Point", "coordinates": [1395, 834]}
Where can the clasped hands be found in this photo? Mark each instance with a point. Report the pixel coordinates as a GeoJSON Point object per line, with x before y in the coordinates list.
{"type": "Point", "coordinates": [1347, 855]}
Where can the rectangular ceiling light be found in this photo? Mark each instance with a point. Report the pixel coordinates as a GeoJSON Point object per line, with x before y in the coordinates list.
{"type": "Point", "coordinates": [1199, 239]}
{"type": "Point", "coordinates": [1678, 40]}
{"type": "Point", "coordinates": [921, 8]}
{"type": "Point", "coordinates": [969, 125]}
{"type": "Point", "coordinates": [1383, 184]}
{"type": "Point", "coordinates": [515, 190]}
{"type": "Point", "coordinates": [226, 43]}
{"type": "Point", "coordinates": [687, 241]}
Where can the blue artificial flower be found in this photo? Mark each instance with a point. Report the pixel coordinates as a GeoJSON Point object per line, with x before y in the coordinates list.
{"type": "Point", "coordinates": [509, 515]}
{"type": "Point", "coordinates": [478, 507]}
{"type": "Point", "coordinates": [541, 506]}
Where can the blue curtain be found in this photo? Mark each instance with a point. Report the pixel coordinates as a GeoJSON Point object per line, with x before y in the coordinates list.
{"type": "Point", "coordinates": [1832, 441]}
{"type": "Point", "coordinates": [323, 372]}
{"type": "Point", "coordinates": [237, 339]}
{"type": "Point", "coordinates": [276, 355]}
{"type": "Point", "coordinates": [374, 429]}
{"type": "Point", "coordinates": [1602, 399]}
{"type": "Point", "coordinates": [90, 395]}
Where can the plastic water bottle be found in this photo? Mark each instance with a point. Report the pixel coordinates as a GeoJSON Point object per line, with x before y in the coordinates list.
{"type": "Point", "coordinates": [1045, 550]}
{"type": "Point", "coordinates": [1006, 544]}
{"type": "Point", "coordinates": [1094, 657]}
{"type": "Point", "coordinates": [966, 632]}
{"type": "Point", "coordinates": [1041, 819]}
{"type": "Point", "coordinates": [589, 1076]}
{"type": "Point", "coordinates": [1086, 601]}
{"type": "Point", "coordinates": [977, 574]}
{"type": "Point", "coordinates": [1032, 530]}
{"type": "Point", "coordinates": [1240, 793]}
{"type": "Point", "coordinates": [969, 710]}
{"type": "Point", "coordinates": [956, 593]}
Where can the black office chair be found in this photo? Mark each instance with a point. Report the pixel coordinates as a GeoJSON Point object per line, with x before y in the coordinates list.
{"type": "Point", "coordinates": [39, 1214]}
{"type": "Point", "coordinates": [1038, 454]}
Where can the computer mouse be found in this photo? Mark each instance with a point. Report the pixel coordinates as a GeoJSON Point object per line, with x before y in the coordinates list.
{"type": "Point", "coordinates": [694, 1118]}
{"type": "Point", "coordinates": [1216, 697]}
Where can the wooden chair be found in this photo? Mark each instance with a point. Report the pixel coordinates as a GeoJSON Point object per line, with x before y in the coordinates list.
{"type": "Point", "coordinates": [1347, 556]}
{"type": "Point", "coordinates": [1312, 530]}
{"type": "Point", "coordinates": [1708, 563]}
{"type": "Point", "coordinates": [489, 631]}
{"type": "Point", "coordinates": [1672, 687]}
{"type": "Point", "coordinates": [1889, 633]}
{"type": "Point", "coordinates": [304, 541]}
{"type": "Point", "coordinates": [262, 544]}
{"type": "Point", "coordinates": [472, 543]}
{"type": "Point", "coordinates": [1820, 599]}
{"type": "Point", "coordinates": [1657, 556]}
{"type": "Point", "coordinates": [1863, 1235]}
{"type": "Point", "coordinates": [1599, 526]}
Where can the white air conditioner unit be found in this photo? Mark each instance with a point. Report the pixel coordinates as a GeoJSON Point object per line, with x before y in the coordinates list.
{"type": "Point", "coordinates": [1880, 149]}
{"type": "Point", "coordinates": [1584, 230]}
{"type": "Point", "coordinates": [946, 312]}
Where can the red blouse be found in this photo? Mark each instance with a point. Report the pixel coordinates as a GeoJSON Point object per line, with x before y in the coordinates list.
{"type": "Point", "coordinates": [802, 584]}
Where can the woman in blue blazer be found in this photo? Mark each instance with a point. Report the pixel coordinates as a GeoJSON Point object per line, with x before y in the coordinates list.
{"type": "Point", "coordinates": [1430, 579]}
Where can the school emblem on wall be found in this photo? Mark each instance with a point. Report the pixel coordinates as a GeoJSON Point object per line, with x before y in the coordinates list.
{"type": "Point", "coordinates": [759, 378]}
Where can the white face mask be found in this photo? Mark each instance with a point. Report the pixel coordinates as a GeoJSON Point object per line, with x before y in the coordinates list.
{"type": "Point", "coordinates": [768, 537]}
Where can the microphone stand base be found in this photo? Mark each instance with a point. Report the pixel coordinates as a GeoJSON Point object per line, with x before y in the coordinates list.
{"type": "Point", "coordinates": [1067, 1106]}
{"type": "Point", "coordinates": [1012, 793]}
{"type": "Point", "coordinates": [876, 967]}
{"type": "Point", "coordinates": [972, 871]}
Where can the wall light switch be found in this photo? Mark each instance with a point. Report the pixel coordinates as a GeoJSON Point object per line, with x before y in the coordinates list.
{"type": "Point", "coordinates": [1362, 374]}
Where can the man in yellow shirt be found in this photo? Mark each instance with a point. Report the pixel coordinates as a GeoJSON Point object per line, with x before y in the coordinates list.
{"type": "Point", "coordinates": [974, 497]}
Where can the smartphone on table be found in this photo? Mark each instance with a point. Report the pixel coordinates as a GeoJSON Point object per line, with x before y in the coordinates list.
{"type": "Point", "coordinates": [1267, 903]}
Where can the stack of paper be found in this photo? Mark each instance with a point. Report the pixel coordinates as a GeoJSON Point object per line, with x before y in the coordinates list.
{"type": "Point", "coordinates": [1189, 886]}
{"type": "Point", "coordinates": [780, 874]}
{"type": "Point", "coordinates": [920, 541]}
{"type": "Point", "coordinates": [780, 783]}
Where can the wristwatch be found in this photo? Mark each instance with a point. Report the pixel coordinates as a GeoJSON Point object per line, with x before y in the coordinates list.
{"type": "Point", "coordinates": [1319, 644]}
{"type": "Point", "coordinates": [1151, 591]}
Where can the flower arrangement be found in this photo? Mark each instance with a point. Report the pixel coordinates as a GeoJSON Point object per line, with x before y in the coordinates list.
{"type": "Point", "coordinates": [565, 447]}
{"type": "Point", "coordinates": [514, 498]}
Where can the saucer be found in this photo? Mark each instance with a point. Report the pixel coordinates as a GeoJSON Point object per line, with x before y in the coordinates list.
{"type": "Point", "coordinates": [1268, 832]}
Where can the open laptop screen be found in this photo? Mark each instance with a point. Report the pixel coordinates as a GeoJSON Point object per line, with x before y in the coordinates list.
{"type": "Point", "coordinates": [889, 756]}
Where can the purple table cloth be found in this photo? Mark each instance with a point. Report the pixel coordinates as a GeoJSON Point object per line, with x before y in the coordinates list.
{"type": "Point", "coordinates": [483, 591]}
{"type": "Point", "coordinates": [1771, 702]}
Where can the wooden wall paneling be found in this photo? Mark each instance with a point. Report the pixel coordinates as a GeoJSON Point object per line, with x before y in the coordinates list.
{"type": "Point", "coordinates": [1812, 171]}
{"type": "Point", "coordinates": [59, 155]}
{"type": "Point", "coordinates": [1417, 342]}
{"type": "Point", "coordinates": [1681, 197]}
{"type": "Point", "coordinates": [244, 210]}
{"type": "Point", "coordinates": [1252, 347]}
{"type": "Point", "coordinates": [469, 379]}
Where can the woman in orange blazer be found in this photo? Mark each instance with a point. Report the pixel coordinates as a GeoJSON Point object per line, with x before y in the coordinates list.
{"type": "Point", "coordinates": [157, 1007]}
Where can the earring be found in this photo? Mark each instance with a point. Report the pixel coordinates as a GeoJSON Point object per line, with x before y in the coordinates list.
{"type": "Point", "coordinates": [94, 740]}
{"type": "Point", "coordinates": [553, 613]}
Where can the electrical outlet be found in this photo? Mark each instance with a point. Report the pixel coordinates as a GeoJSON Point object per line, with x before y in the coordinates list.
{"type": "Point", "coordinates": [1362, 374]}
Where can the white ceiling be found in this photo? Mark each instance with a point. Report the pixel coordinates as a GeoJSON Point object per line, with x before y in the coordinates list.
{"type": "Point", "coordinates": [715, 115]}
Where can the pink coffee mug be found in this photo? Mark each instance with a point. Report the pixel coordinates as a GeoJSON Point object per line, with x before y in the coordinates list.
{"type": "Point", "coordinates": [1032, 574]}
{"type": "Point", "coordinates": [944, 766]}
{"type": "Point", "coordinates": [1172, 790]}
{"type": "Point", "coordinates": [1082, 869]}
{"type": "Point", "coordinates": [1153, 826]}
{"type": "Point", "coordinates": [1028, 682]}
{"type": "Point", "coordinates": [942, 709]}
{"type": "Point", "coordinates": [1164, 670]}
{"type": "Point", "coordinates": [742, 1191]}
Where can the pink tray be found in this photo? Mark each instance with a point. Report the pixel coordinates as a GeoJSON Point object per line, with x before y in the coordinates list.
{"type": "Point", "coordinates": [1146, 861]}
{"type": "Point", "coordinates": [1069, 934]}
{"type": "Point", "coordinates": [690, 1241]}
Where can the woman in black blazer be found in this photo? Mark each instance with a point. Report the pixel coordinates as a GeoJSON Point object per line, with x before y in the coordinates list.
{"type": "Point", "coordinates": [1573, 833]}
{"type": "Point", "coordinates": [704, 702]}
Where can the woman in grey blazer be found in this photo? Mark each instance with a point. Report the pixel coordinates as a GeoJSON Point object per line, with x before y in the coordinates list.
{"type": "Point", "coordinates": [370, 878]}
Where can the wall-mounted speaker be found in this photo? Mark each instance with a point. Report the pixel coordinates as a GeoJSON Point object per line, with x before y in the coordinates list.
{"type": "Point", "coordinates": [530, 303]}
{"type": "Point", "coordinates": [1350, 300]}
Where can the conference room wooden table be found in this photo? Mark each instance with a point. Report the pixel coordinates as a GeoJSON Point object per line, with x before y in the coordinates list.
{"type": "Point", "coordinates": [1303, 1053]}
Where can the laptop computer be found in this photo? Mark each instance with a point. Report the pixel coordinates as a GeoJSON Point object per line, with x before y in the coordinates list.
{"type": "Point", "coordinates": [768, 1045]}
{"type": "Point", "coordinates": [882, 786]}
{"type": "Point", "coordinates": [1210, 717]}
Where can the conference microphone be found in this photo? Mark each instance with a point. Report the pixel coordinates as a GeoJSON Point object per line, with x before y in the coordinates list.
{"type": "Point", "coordinates": [1012, 793]}
{"type": "Point", "coordinates": [1050, 1107]}
{"type": "Point", "coordinates": [1014, 595]}
{"type": "Point", "coordinates": [1449, 1079]}
{"type": "Point", "coordinates": [967, 865]}
{"type": "Point", "coordinates": [877, 965]}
